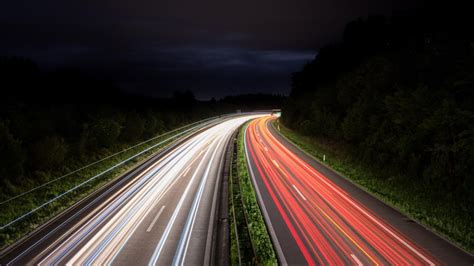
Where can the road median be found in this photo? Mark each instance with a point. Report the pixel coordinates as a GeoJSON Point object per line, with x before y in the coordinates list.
{"type": "Point", "coordinates": [250, 241]}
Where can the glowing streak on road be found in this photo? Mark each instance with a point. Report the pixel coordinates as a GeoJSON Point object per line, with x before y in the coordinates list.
{"type": "Point", "coordinates": [101, 235]}
{"type": "Point", "coordinates": [328, 226]}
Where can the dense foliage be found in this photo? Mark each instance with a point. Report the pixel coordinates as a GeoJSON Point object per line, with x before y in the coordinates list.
{"type": "Point", "coordinates": [259, 237]}
{"type": "Point", "coordinates": [398, 95]}
{"type": "Point", "coordinates": [55, 122]}
{"type": "Point", "coordinates": [47, 139]}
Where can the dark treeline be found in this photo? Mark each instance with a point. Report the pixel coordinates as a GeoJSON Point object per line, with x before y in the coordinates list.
{"type": "Point", "coordinates": [397, 93]}
{"type": "Point", "coordinates": [257, 101]}
{"type": "Point", "coordinates": [55, 122]}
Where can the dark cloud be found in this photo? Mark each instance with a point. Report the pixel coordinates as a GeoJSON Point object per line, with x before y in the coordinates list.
{"type": "Point", "coordinates": [153, 47]}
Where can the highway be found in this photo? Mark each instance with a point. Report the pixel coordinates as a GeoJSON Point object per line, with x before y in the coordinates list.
{"type": "Point", "coordinates": [316, 217]}
{"type": "Point", "coordinates": [163, 212]}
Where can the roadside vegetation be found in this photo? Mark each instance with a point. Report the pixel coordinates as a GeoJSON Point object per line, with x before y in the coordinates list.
{"type": "Point", "coordinates": [392, 107]}
{"type": "Point", "coordinates": [249, 236]}
{"type": "Point", "coordinates": [35, 194]}
{"type": "Point", "coordinates": [55, 122]}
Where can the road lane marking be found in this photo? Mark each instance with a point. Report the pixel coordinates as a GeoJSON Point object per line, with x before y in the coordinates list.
{"type": "Point", "coordinates": [88, 227]}
{"type": "Point", "coordinates": [110, 261]}
{"type": "Point", "coordinates": [159, 248]}
{"type": "Point", "coordinates": [213, 220]}
{"type": "Point", "coordinates": [299, 192]}
{"type": "Point", "coordinates": [124, 242]}
{"type": "Point", "coordinates": [145, 185]}
{"type": "Point", "coordinates": [183, 244]}
{"type": "Point", "coordinates": [155, 219]}
{"type": "Point", "coordinates": [359, 263]}
{"type": "Point", "coordinates": [164, 237]}
{"type": "Point", "coordinates": [187, 170]}
{"type": "Point", "coordinates": [105, 193]}
{"type": "Point", "coordinates": [128, 224]}
{"type": "Point", "coordinates": [276, 164]}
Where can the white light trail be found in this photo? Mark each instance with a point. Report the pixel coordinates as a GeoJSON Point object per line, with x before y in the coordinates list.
{"type": "Point", "coordinates": [103, 234]}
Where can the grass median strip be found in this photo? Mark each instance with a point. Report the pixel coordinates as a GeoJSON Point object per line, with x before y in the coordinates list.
{"type": "Point", "coordinates": [249, 235]}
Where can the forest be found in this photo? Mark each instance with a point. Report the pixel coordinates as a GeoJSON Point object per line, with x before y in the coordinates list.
{"type": "Point", "coordinates": [397, 95]}
{"type": "Point", "coordinates": [52, 122]}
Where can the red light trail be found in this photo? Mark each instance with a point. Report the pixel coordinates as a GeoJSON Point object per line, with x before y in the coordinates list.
{"type": "Point", "coordinates": [327, 224]}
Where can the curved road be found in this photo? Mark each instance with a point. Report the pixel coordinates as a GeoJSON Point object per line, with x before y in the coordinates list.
{"type": "Point", "coordinates": [317, 217]}
{"type": "Point", "coordinates": [163, 212]}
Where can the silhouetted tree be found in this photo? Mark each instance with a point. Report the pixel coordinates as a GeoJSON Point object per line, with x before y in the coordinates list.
{"type": "Point", "coordinates": [48, 153]}
{"type": "Point", "coordinates": [11, 155]}
{"type": "Point", "coordinates": [133, 127]}
{"type": "Point", "coordinates": [103, 133]}
{"type": "Point", "coordinates": [399, 94]}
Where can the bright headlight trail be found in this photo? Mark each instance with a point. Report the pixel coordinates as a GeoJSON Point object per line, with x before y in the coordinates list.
{"type": "Point", "coordinates": [163, 216]}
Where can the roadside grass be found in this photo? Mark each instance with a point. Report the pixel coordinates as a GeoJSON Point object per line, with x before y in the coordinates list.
{"type": "Point", "coordinates": [241, 244]}
{"type": "Point", "coordinates": [12, 209]}
{"type": "Point", "coordinates": [254, 241]}
{"type": "Point", "coordinates": [433, 211]}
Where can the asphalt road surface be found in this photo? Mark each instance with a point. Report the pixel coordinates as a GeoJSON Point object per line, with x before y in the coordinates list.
{"type": "Point", "coordinates": [161, 213]}
{"type": "Point", "coordinates": [315, 216]}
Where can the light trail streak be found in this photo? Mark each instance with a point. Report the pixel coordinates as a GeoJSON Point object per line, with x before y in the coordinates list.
{"type": "Point", "coordinates": [200, 123]}
{"type": "Point", "coordinates": [358, 262]}
{"type": "Point", "coordinates": [299, 192]}
{"type": "Point", "coordinates": [186, 234]}
{"type": "Point", "coordinates": [102, 234]}
{"type": "Point", "coordinates": [327, 225]}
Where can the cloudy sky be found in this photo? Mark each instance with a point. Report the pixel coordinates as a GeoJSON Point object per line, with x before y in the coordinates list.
{"type": "Point", "coordinates": [152, 47]}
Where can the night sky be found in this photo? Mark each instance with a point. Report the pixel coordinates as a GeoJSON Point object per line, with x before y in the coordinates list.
{"type": "Point", "coordinates": [214, 48]}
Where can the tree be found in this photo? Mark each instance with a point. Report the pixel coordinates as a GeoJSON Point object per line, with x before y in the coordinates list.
{"type": "Point", "coordinates": [48, 153]}
{"type": "Point", "coordinates": [153, 125]}
{"type": "Point", "coordinates": [12, 157]}
{"type": "Point", "coordinates": [133, 127]}
{"type": "Point", "coordinates": [103, 132]}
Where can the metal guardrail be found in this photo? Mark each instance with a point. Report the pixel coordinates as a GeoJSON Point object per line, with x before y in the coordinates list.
{"type": "Point", "coordinates": [101, 160]}
{"type": "Point", "coordinates": [15, 220]}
